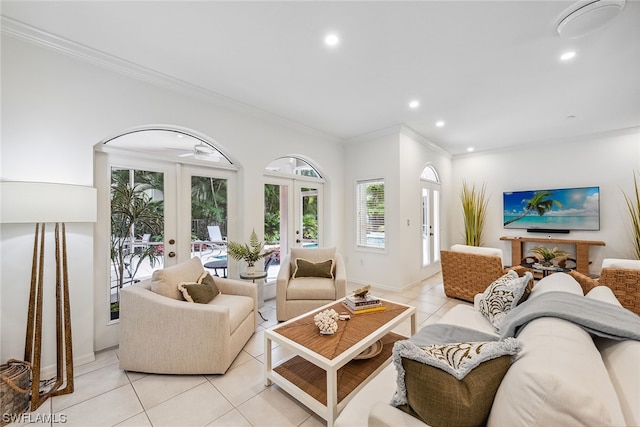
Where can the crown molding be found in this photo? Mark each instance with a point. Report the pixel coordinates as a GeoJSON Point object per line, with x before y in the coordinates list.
{"type": "Point", "coordinates": [27, 33]}
{"type": "Point", "coordinates": [407, 131]}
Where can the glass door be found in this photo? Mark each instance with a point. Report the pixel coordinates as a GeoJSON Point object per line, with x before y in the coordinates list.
{"type": "Point", "coordinates": [292, 218]}
{"type": "Point", "coordinates": [138, 227]}
{"type": "Point", "coordinates": [430, 225]}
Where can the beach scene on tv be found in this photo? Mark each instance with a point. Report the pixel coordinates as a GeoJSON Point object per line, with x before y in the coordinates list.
{"type": "Point", "coordinates": [560, 209]}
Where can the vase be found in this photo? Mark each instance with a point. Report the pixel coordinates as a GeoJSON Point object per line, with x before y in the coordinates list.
{"type": "Point", "coordinates": [251, 269]}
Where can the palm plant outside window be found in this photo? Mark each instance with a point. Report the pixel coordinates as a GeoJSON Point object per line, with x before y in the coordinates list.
{"type": "Point", "coordinates": [370, 217]}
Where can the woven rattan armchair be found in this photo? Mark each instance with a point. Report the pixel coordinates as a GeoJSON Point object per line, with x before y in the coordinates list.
{"type": "Point", "coordinates": [624, 282]}
{"type": "Point", "coordinates": [467, 270]}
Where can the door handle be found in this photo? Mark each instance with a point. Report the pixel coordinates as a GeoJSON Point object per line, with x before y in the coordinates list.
{"type": "Point", "coordinates": [172, 254]}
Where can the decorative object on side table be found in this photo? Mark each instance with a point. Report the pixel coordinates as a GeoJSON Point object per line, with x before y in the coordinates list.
{"type": "Point", "coordinates": [250, 253]}
{"type": "Point", "coordinates": [327, 321]}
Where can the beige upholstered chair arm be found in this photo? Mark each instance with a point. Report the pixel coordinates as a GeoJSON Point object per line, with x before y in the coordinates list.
{"type": "Point", "coordinates": [237, 287]}
{"type": "Point", "coordinates": [283, 280]}
{"type": "Point", "coordinates": [142, 306]}
{"type": "Point", "coordinates": [340, 277]}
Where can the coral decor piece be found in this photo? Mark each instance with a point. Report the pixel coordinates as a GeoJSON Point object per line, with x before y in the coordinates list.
{"type": "Point", "coordinates": [326, 321]}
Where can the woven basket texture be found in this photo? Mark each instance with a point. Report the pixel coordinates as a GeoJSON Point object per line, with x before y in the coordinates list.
{"type": "Point", "coordinates": [464, 275]}
{"type": "Point", "coordinates": [15, 380]}
{"type": "Point", "coordinates": [625, 284]}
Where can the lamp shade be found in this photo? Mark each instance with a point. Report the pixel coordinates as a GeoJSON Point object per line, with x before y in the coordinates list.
{"type": "Point", "coordinates": [32, 202]}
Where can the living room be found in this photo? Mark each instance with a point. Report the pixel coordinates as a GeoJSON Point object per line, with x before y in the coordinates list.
{"type": "Point", "coordinates": [60, 100]}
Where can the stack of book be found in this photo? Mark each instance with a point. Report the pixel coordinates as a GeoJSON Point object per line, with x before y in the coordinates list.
{"type": "Point", "coordinates": [365, 304]}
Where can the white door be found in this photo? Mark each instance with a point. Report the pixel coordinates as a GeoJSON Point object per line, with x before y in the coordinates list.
{"type": "Point", "coordinates": [293, 217]}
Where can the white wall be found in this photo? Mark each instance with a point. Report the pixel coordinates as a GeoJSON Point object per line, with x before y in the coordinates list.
{"type": "Point", "coordinates": [606, 160]}
{"type": "Point", "coordinates": [398, 155]}
{"type": "Point", "coordinates": [55, 108]}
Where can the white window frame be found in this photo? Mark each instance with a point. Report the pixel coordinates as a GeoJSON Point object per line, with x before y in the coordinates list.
{"type": "Point", "coordinates": [364, 238]}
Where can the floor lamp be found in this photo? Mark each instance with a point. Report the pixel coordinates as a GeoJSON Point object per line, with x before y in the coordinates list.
{"type": "Point", "coordinates": [41, 203]}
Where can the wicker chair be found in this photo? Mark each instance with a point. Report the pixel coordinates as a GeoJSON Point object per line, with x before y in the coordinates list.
{"type": "Point", "coordinates": [623, 281]}
{"type": "Point", "coordinates": [468, 270]}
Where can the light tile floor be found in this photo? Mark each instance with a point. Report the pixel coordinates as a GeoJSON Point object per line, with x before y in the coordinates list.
{"type": "Point", "coordinates": [107, 396]}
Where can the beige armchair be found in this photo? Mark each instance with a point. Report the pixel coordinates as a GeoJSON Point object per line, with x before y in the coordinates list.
{"type": "Point", "coordinates": [468, 270]}
{"type": "Point", "coordinates": [161, 333]}
{"type": "Point", "coordinates": [305, 292]}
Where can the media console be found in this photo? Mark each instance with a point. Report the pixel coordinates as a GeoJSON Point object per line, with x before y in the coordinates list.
{"type": "Point", "coordinates": [582, 249]}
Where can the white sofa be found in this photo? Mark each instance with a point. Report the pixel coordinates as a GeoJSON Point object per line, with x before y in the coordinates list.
{"type": "Point", "coordinates": [561, 377]}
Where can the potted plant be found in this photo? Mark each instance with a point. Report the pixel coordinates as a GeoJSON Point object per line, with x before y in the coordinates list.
{"type": "Point", "coordinates": [250, 253]}
{"type": "Point", "coordinates": [474, 210]}
{"type": "Point", "coordinates": [633, 206]}
{"type": "Point", "coordinates": [546, 255]}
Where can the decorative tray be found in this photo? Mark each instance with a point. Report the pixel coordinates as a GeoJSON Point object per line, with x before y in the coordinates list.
{"type": "Point", "coordinates": [372, 351]}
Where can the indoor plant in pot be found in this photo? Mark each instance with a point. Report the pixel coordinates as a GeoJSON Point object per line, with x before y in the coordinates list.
{"type": "Point", "coordinates": [249, 253]}
{"type": "Point", "coordinates": [547, 255]}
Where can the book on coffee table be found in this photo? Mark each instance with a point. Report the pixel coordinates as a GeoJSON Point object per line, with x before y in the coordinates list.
{"type": "Point", "coordinates": [358, 302]}
{"type": "Point", "coordinates": [364, 309]}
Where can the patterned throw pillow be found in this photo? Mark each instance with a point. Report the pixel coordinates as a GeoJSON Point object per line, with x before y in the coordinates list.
{"type": "Point", "coordinates": [305, 268]}
{"type": "Point", "coordinates": [503, 295]}
{"type": "Point", "coordinates": [451, 384]}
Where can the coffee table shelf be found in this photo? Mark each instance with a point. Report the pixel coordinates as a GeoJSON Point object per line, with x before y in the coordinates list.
{"type": "Point", "coordinates": [322, 374]}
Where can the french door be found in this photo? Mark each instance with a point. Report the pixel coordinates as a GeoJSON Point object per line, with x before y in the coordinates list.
{"type": "Point", "coordinates": [293, 217]}
{"type": "Point", "coordinates": [174, 203]}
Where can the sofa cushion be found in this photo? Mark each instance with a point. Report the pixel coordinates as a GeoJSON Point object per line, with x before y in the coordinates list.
{"type": "Point", "coordinates": [621, 361]}
{"type": "Point", "coordinates": [311, 288]}
{"type": "Point", "coordinates": [478, 250]}
{"type": "Point", "coordinates": [502, 295]}
{"type": "Point", "coordinates": [165, 281]}
{"type": "Point", "coordinates": [632, 264]}
{"type": "Point", "coordinates": [557, 379]}
{"type": "Point", "coordinates": [451, 384]}
{"type": "Point", "coordinates": [556, 282]}
{"type": "Point", "coordinates": [306, 268]}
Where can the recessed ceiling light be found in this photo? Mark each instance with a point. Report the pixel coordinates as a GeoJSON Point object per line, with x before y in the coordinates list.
{"type": "Point", "coordinates": [414, 104]}
{"type": "Point", "coordinates": [331, 40]}
{"type": "Point", "coordinates": [470, 149]}
{"type": "Point", "coordinates": [439, 123]}
{"type": "Point", "coordinates": [567, 55]}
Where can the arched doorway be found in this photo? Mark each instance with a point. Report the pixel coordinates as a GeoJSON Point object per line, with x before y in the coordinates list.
{"type": "Point", "coordinates": [293, 192]}
{"type": "Point", "coordinates": [431, 236]}
{"type": "Point", "coordinates": [160, 191]}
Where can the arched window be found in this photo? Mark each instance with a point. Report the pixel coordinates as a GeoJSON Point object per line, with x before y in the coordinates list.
{"type": "Point", "coordinates": [293, 166]}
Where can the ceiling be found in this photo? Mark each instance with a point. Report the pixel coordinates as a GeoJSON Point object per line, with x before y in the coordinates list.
{"type": "Point", "coordinates": [489, 69]}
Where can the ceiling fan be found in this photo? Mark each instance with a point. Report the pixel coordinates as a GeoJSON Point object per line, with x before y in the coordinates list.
{"type": "Point", "coordinates": [202, 151]}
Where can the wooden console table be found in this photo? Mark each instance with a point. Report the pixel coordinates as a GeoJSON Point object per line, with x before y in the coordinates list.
{"type": "Point", "coordinates": [582, 249]}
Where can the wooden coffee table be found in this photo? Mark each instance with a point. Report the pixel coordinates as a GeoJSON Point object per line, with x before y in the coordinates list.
{"type": "Point", "coordinates": [323, 374]}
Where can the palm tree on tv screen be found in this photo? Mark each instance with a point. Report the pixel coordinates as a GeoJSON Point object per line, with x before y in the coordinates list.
{"type": "Point", "coordinates": [540, 203]}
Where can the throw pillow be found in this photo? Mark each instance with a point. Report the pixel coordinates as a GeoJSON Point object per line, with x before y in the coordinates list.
{"type": "Point", "coordinates": [305, 268]}
{"type": "Point", "coordinates": [196, 292]}
{"type": "Point", "coordinates": [451, 384]}
{"type": "Point", "coordinates": [503, 295]}
{"type": "Point", "coordinates": [207, 279]}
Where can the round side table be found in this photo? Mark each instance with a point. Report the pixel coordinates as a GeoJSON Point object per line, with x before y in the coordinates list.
{"type": "Point", "coordinates": [253, 277]}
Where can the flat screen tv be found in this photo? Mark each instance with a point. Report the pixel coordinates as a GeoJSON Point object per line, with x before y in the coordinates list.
{"type": "Point", "coordinates": [559, 209]}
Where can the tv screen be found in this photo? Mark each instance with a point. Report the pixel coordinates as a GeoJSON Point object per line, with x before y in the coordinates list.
{"type": "Point", "coordinates": [559, 209]}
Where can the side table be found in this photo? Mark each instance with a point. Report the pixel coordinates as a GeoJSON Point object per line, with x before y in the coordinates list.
{"type": "Point", "coordinates": [253, 277]}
